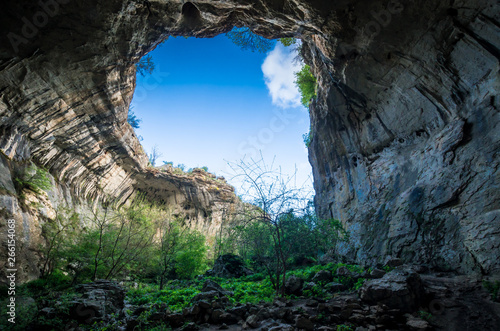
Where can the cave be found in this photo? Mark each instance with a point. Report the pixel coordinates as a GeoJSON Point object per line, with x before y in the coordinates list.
{"type": "Point", "coordinates": [405, 145]}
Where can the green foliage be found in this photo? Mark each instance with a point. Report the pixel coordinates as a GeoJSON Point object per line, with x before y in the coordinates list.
{"type": "Point", "coordinates": [132, 119]}
{"type": "Point", "coordinates": [190, 259]}
{"type": "Point", "coordinates": [33, 178]}
{"type": "Point", "coordinates": [25, 313]}
{"type": "Point", "coordinates": [247, 40]}
{"type": "Point", "coordinates": [492, 287]}
{"type": "Point", "coordinates": [359, 283]}
{"type": "Point", "coordinates": [307, 137]}
{"type": "Point", "coordinates": [425, 315]}
{"type": "Point", "coordinates": [145, 65]}
{"type": "Point", "coordinates": [287, 41]}
{"type": "Point", "coordinates": [118, 243]}
{"type": "Point", "coordinates": [59, 234]}
{"type": "Point", "coordinates": [306, 84]}
{"type": "Point", "coordinates": [387, 268]}
{"type": "Point", "coordinates": [204, 168]}
{"type": "Point", "coordinates": [304, 237]}
{"type": "Point", "coordinates": [249, 291]}
{"type": "Point", "coordinates": [316, 291]}
{"type": "Point", "coordinates": [344, 327]}
{"type": "Point", "coordinates": [177, 294]}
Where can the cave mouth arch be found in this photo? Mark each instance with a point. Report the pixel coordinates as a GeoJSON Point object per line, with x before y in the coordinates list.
{"type": "Point", "coordinates": [221, 98]}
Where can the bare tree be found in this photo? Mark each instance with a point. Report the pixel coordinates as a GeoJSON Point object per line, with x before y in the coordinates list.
{"type": "Point", "coordinates": [276, 195]}
{"type": "Point", "coordinates": [154, 155]}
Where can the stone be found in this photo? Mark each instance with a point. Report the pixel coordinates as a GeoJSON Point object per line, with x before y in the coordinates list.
{"type": "Point", "coordinates": [304, 323]}
{"type": "Point", "coordinates": [175, 320]}
{"type": "Point", "coordinates": [377, 273]}
{"type": "Point", "coordinates": [191, 326]}
{"type": "Point", "coordinates": [204, 304]}
{"type": "Point", "coordinates": [344, 272]}
{"type": "Point", "coordinates": [229, 266]}
{"type": "Point", "coordinates": [239, 311]}
{"type": "Point", "coordinates": [216, 314]}
{"type": "Point", "coordinates": [228, 318]}
{"type": "Point", "coordinates": [294, 285]}
{"type": "Point", "coordinates": [395, 290]}
{"type": "Point", "coordinates": [210, 291]}
{"type": "Point", "coordinates": [335, 287]}
{"type": "Point", "coordinates": [392, 262]}
{"type": "Point", "coordinates": [417, 324]}
{"type": "Point", "coordinates": [98, 301]}
{"type": "Point", "coordinates": [282, 327]}
{"type": "Point", "coordinates": [324, 276]}
{"type": "Point", "coordinates": [253, 321]}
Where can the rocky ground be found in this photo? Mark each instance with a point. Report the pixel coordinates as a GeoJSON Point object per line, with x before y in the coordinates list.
{"type": "Point", "coordinates": [406, 298]}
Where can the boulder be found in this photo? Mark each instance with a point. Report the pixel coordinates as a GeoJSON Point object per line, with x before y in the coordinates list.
{"type": "Point", "coordinates": [308, 286]}
{"type": "Point", "coordinates": [253, 321]}
{"type": "Point", "coordinates": [335, 287]}
{"type": "Point", "coordinates": [294, 285]}
{"type": "Point", "coordinates": [397, 290]}
{"type": "Point", "coordinates": [99, 300]}
{"type": "Point", "coordinates": [175, 320]}
{"type": "Point", "coordinates": [377, 273]}
{"type": "Point", "coordinates": [304, 323]}
{"type": "Point", "coordinates": [417, 324]}
{"type": "Point", "coordinates": [210, 291]}
{"type": "Point", "coordinates": [229, 266]}
{"type": "Point", "coordinates": [392, 262]}
{"type": "Point", "coordinates": [324, 276]}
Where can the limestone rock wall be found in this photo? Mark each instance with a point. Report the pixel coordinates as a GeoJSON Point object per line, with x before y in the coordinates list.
{"type": "Point", "coordinates": [405, 125]}
{"type": "Point", "coordinates": [408, 119]}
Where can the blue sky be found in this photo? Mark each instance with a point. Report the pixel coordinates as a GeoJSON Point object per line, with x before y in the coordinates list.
{"type": "Point", "coordinates": [208, 103]}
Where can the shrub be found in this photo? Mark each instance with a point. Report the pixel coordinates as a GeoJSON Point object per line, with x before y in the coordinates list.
{"type": "Point", "coordinates": [133, 120]}
{"type": "Point", "coordinates": [145, 65]}
{"type": "Point", "coordinates": [288, 41]}
{"type": "Point", "coordinates": [247, 40]}
{"type": "Point", "coordinates": [306, 83]}
{"type": "Point", "coordinates": [307, 138]}
{"type": "Point", "coordinates": [33, 178]}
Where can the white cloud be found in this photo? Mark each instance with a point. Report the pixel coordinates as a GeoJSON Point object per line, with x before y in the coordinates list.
{"type": "Point", "coordinates": [279, 69]}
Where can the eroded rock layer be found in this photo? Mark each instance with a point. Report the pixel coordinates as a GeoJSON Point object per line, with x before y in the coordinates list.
{"type": "Point", "coordinates": [408, 119]}
{"type": "Point", "coordinates": [405, 126]}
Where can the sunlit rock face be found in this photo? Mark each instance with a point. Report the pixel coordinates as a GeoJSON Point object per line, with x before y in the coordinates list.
{"type": "Point", "coordinates": [405, 138]}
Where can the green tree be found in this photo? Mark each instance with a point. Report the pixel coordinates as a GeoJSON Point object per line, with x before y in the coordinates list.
{"type": "Point", "coordinates": [306, 84]}
{"type": "Point", "coordinates": [59, 234]}
{"type": "Point", "coordinates": [145, 65]}
{"type": "Point", "coordinates": [132, 119]}
{"type": "Point", "coordinates": [287, 42]}
{"type": "Point", "coordinates": [190, 259]}
{"type": "Point", "coordinates": [117, 243]}
{"type": "Point", "coordinates": [247, 40]}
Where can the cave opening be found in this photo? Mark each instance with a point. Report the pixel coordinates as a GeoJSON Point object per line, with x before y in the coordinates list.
{"type": "Point", "coordinates": [209, 101]}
